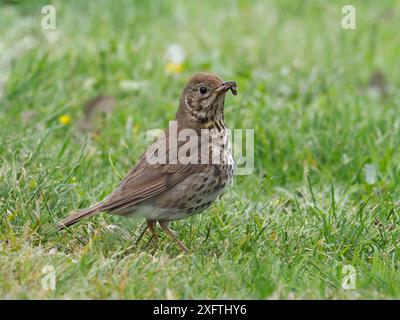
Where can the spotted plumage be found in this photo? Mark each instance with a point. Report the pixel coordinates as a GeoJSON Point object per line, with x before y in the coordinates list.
{"type": "Point", "coordinates": [188, 182]}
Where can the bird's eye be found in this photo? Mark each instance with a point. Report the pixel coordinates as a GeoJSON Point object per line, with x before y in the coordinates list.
{"type": "Point", "coordinates": [203, 90]}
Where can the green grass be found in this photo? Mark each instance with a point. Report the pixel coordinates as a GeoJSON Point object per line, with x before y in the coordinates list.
{"type": "Point", "coordinates": [324, 192]}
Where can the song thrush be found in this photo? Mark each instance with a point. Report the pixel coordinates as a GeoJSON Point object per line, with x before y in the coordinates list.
{"type": "Point", "coordinates": [185, 170]}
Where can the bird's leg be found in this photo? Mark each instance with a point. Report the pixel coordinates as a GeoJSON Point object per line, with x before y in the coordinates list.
{"type": "Point", "coordinates": [151, 226]}
{"type": "Point", "coordinates": [165, 226]}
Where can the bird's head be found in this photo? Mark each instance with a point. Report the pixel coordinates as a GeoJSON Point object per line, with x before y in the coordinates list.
{"type": "Point", "coordinates": [203, 98]}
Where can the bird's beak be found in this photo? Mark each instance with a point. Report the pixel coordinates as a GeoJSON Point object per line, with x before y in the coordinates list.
{"type": "Point", "coordinates": [229, 85]}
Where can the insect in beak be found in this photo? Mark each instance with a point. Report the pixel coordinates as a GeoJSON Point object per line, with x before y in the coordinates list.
{"type": "Point", "coordinates": [229, 85]}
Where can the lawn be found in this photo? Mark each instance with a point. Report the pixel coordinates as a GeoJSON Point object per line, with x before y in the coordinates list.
{"type": "Point", "coordinates": [324, 103]}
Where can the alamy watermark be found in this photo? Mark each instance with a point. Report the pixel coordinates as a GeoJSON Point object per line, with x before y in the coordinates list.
{"type": "Point", "coordinates": [49, 18]}
{"type": "Point", "coordinates": [349, 277]}
{"type": "Point", "coordinates": [349, 17]}
{"type": "Point", "coordinates": [203, 146]}
{"type": "Point", "coordinates": [49, 277]}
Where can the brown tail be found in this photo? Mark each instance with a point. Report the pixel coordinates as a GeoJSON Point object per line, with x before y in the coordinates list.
{"type": "Point", "coordinates": [77, 216]}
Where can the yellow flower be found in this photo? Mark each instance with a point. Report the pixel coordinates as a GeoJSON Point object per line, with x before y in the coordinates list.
{"type": "Point", "coordinates": [135, 129]}
{"type": "Point", "coordinates": [174, 68]}
{"type": "Point", "coordinates": [96, 135]}
{"type": "Point", "coordinates": [64, 119]}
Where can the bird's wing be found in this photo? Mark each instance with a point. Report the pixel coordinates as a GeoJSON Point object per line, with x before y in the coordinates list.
{"type": "Point", "coordinates": [148, 179]}
{"type": "Point", "coordinates": [147, 183]}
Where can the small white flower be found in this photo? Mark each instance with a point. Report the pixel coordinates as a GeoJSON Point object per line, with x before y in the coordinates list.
{"type": "Point", "coordinates": [175, 54]}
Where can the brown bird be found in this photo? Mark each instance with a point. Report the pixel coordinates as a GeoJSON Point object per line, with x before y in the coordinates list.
{"type": "Point", "coordinates": [185, 170]}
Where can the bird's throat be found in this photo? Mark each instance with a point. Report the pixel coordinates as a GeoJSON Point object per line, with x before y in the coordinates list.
{"type": "Point", "coordinates": [218, 124]}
